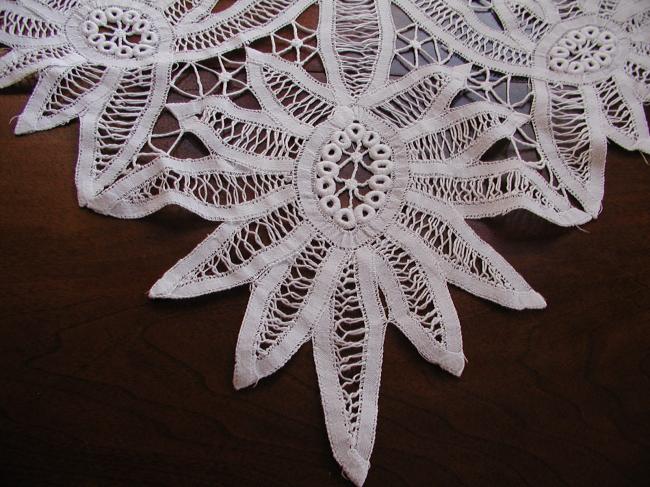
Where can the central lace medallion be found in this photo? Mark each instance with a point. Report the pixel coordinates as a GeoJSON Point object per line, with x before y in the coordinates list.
{"type": "Point", "coordinates": [588, 49]}
{"type": "Point", "coordinates": [353, 175]}
{"type": "Point", "coordinates": [123, 33]}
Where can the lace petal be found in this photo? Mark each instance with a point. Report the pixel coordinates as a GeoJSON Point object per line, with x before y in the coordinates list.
{"type": "Point", "coordinates": [63, 93]}
{"type": "Point", "coordinates": [348, 349]}
{"type": "Point", "coordinates": [461, 136]}
{"type": "Point", "coordinates": [243, 22]}
{"type": "Point", "coordinates": [573, 147]}
{"type": "Point", "coordinates": [234, 254]}
{"type": "Point", "coordinates": [288, 93]}
{"type": "Point", "coordinates": [637, 68]}
{"type": "Point", "coordinates": [213, 188]}
{"type": "Point", "coordinates": [250, 137]}
{"type": "Point", "coordinates": [187, 11]}
{"type": "Point", "coordinates": [491, 189]}
{"type": "Point", "coordinates": [50, 6]}
{"type": "Point", "coordinates": [18, 64]}
{"type": "Point", "coordinates": [625, 121]}
{"type": "Point", "coordinates": [420, 305]}
{"type": "Point", "coordinates": [421, 94]}
{"type": "Point", "coordinates": [457, 26]}
{"type": "Point", "coordinates": [349, 37]}
{"type": "Point", "coordinates": [111, 133]}
{"type": "Point", "coordinates": [283, 308]}
{"type": "Point", "coordinates": [523, 20]}
{"type": "Point", "coordinates": [427, 227]}
{"type": "Point", "coordinates": [21, 27]}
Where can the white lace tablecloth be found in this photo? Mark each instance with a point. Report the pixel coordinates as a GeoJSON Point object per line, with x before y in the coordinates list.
{"type": "Point", "coordinates": [343, 157]}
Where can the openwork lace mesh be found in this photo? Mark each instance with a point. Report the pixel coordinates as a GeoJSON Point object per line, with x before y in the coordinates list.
{"type": "Point", "coordinates": [342, 144]}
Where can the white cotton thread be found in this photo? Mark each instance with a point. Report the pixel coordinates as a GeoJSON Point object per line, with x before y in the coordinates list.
{"type": "Point", "coordinates": [122, 33]}
{"type": "Point", "coordinates": [359, 150]}
{"type": "Point", "coordinates": [584, 50]}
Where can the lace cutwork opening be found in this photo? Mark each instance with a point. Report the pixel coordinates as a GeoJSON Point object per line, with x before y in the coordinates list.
{"type": "Point", "coordinates": [349, 341]}
{"type": "Point", "coordinates": [353, 175]}
{"type": "Point", "coordinates": [247, 242]}
{"type": "Point", "coordinates": [588, 49]}
{"type": "Point", "coordinates": [125, 34]}
{"type": "Point", "coordinates": [288, 300]}
{"type": "Point", "coordinates": [419, 297]}
{"type": "Point", "coordinates": [446, 242]}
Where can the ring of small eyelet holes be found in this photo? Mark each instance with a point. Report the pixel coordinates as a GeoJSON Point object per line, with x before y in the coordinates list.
{"type": "Point", "coordinates": [364, 150]}
{"type": "Point", "coordinates": [123, 33]}
{"type": "Point", "coordinates": [584, 50]}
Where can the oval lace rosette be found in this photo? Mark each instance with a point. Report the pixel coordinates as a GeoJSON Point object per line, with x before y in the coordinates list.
{"type": "Point", "coordinates": [354, 174]}
{"type": "Point", "coordinates": [349, 179]}
{"type": "Point", "coordinates": [344, 199]}
{"type": "Point", "coordinates": [125, 35]}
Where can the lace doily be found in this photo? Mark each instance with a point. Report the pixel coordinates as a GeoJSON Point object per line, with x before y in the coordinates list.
{"type": "Point", "coordinates": [344, 195]}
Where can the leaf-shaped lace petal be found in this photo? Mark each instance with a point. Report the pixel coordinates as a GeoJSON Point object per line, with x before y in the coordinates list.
{"type": "Point", "coordinates": [343, 144]}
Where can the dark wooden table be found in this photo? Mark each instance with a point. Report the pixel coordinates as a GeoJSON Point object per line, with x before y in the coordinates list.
{"type": "Point", "coordinates": [102, 386]}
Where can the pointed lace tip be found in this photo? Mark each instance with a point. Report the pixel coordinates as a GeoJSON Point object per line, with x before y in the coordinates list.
{"type": "Point", "coordinates": [238, 384]}
{"type": "Point", "coordinates": [574, 216]}
{"type": "Point", "coordinates": [453, 362]}
{"type": "Point", "coordinates": [82, 201]}
{"type": "Point", "coordinates": [357, 472]}
{"type": "Point", "coordinates": [6, 82]}
{"type": "Point", "coordinates": [643, 146]}
{"type": "Point", "coordinates": [533, 300]}
{"type": "Point", "coordinates": [594, 205]}
{"type": "Point", "coordinates": [242, 380]}
{"type": "Point", "coordinates": [22, 128]}
{"type": "Point", "coordinates": [459, 367]}
{"type": "Point", "coordinates": [594, 212]}
{"type": "Point", "coordinates": [160, 290]}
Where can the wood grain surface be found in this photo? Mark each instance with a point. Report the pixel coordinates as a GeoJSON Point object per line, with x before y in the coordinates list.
{"type": "Point", "coordinates": [102, 386]}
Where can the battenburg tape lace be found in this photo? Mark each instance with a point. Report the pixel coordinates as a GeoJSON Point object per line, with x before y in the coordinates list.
{"type": "Point", "coordinates": [344, 194]}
